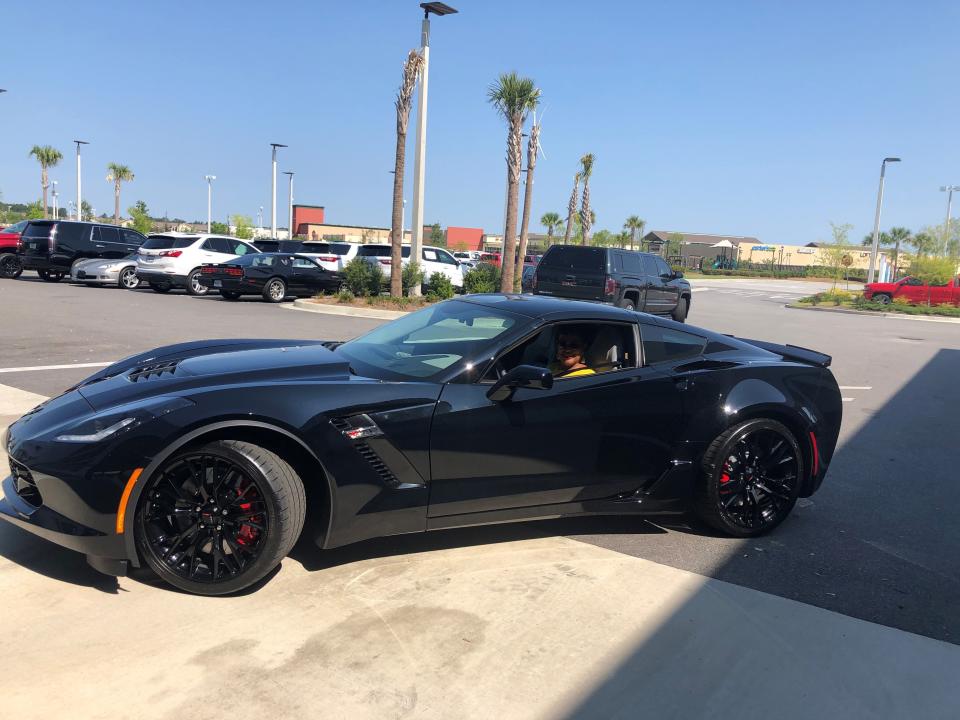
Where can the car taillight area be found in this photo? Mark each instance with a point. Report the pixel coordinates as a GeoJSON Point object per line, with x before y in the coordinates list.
{"type": "Point", "coordinates": [327, 258]}
{"type": "Point", "coordinates": [219, 270]}
{"type": "Point", "coordinates": [171, 253]}
{"type": "Point", "coordinates": [609, 286]}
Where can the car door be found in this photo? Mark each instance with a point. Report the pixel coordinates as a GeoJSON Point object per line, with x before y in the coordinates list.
{"type": "Point", "coordinates": [632, 276]}
{"type": "Point", "coordinates": [670, 291]}
{"type": "Point", "coordinates": [587, 438]}
{"type": "Point", "coordinates": [654, 295]}
{"type": "Point", "coordinates": [431, 263]}
{"type": "Point", "coordinates": [450, 267]}
{"type": "Point", "coordinates": [131, 241]}
{"type": "Point", "coordinates": [107, 243]}
{"type": "Point", "coordinates": [306, 276]}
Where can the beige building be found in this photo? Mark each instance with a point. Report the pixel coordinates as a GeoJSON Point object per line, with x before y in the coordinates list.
{"type": "Point", "coordinates": [348, 233]}
{"type": "Point", "coordinates": [754, 251]}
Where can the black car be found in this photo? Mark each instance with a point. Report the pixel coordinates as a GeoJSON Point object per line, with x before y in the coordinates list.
{"type": "Point", "coordinates": [627, 279]}
{"type": "Point", "coordinates": [273, 276]}
{"type": "Point", "coordinates": [204, 460]}
{"type": "Point", "coordinates": [52, 246]}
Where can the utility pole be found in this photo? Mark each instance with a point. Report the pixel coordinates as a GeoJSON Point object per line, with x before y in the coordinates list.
{"type": "Point", "coordinates": [209, 179]}
{"type": "Point", "coordinates": [876, 220]}
{"type": "Point", "coordinates": [289, 173]}
{"type": "Point", "coordinates": [273, 192]}
{"type": "Point", "coordinates": [79, 182]}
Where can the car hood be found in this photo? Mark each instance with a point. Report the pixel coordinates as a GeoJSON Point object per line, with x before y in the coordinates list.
{"type": "Point", "coordinates": [184, 371]}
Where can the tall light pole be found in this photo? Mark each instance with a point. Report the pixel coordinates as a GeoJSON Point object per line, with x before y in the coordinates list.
{"type": "Point", "coordinates": [273, 192]}
{"type": "Point", "coordinates": [259, 220]}
{"type": "Point", "coordinates": [876, 219]}
{"type": "Point", "coordinates": [289, 173]}
{"type": "Point", "coordinates": [420, 155]}
{"type": "Point", "coordinates": [209, 179]}
{"type": "Point", "coordinates": [948, 189]}
{"type": "Point", "coordinates": [56, 209]}
{"type": "Point", "coordinates": [79, 185]}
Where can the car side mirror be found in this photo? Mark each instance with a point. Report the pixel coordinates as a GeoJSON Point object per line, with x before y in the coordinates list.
{"type": "Point", "coordinates": [522, 376]}
{"type": "Point", "coordinates": [677, 274]}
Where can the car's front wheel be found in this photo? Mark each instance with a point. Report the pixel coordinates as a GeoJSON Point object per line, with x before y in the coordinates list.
{"type": "Point", "coordinates": [194, 286]}
{"type": "Point", "coordinates": [680, 311]}
{"type": "Point", "coordinates": [751, 478]}
{"type": "Point", "coordinates": [882, 298]}
{"type": "Point", "coordinates": [128, 279]}
{"type": "Point", "coordinates": [216, 519]}
{"type": "Point", "coordinates": [275, 290]}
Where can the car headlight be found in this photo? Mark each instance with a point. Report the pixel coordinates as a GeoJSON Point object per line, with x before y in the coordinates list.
{"type": "Point", "coordinates": [122, 419]}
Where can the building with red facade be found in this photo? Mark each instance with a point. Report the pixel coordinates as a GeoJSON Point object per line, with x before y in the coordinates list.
{"type": "Point", "coordinates": [306, 215]}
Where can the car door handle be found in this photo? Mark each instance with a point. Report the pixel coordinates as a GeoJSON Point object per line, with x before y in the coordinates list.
{"type": "Point", "coordinates": [684, 383]}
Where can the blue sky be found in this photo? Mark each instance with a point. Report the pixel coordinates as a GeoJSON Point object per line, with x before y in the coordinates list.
{"type": "Point", "coordinates": [748, 118]}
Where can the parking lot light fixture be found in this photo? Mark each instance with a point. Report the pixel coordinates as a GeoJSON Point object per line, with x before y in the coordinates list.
{"type": "Point", "coordinates": [209, 179]}
{"type": "Point", "coordinates": [420, 154]}
{"type": "Point", "coordinates": [273, 192]}
{"type": "Point", "coordinates": [948, 189]}
{"type": "Point", "coordinates": [876, 219]}
{"type": "Point", "coordinates": [289, 173]}
{"type": "Point", "coordinates": [79, 182]}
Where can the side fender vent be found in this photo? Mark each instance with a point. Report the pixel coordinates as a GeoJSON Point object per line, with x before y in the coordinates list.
{"type": "Point", "coordinates": [378, 465]}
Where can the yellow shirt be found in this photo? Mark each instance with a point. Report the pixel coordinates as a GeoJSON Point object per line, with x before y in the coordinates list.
{"type": "Point", "coordinates": [557, 371]}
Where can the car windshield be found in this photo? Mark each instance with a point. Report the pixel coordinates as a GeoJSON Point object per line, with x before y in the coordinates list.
{"type": "Point", "coordinates": [425, 344]}
{"type": "Point", "coordinates": [165, 242]}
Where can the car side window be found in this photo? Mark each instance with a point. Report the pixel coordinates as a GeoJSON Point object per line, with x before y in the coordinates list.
{"type": "Point", "coordinates": [649, 266]}
{"type": "Point", "coordinates": [211, 245]}
{"type": "Point", "coordinates": [238, 248]}
{"type": "Point", "coordinates": [913, 281]}
{"type": "Point", "coordinates": [631, 264]}
{"type": "Point", "coordinates": [430, 255]}
{"type": "Point", "coordinates": [107, 235]}
{"type": "Point", "coordinates": [132, 238]}
{"type": "Point", "coordinates": [662, 344]}
{"type": "Point", "coordinates": [446, 258]}
{"type": "Point", "coordinates": [305, 264]}
{"type": "Point", "coordinates": [662, 268]}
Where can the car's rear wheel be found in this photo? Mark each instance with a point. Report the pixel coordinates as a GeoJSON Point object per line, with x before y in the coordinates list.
{"type": "Point", "coordinates": [751, 478]}
{"type": "Point", "coordinates": [228, 295]}
{"type": "Point", "coordinates": [882, 298]}
{"type": "Point", "coordinates": [216, 519]}
{"type": "Point", "coordinates": [10, 266]}
{"type": "Point", "coordinates": [194, 287]}
{"type": "Point", "coordinates": [161, 287]}
{"type": "Point", "coordinates": [275, 290]}
{"type": "Point", "coordinates": [50, 275]}
{"type": "Point", "coordinates": [128, 279]}
{"type": "Point", "coordinates": [680, 311]}
{"type": "Point", "coordinates": [628, 304]}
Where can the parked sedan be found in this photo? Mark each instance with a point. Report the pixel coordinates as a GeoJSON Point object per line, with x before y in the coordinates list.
{"type": "Point", "coordinates": [274, 276]}
{"type": "Point", "coordinates": [101, 271]}
{"type": "Point", "coordinates": [205, 460]}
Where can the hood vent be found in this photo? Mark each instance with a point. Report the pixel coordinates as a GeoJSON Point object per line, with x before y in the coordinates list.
{"type": "Point", "coordinates": [145, 372]}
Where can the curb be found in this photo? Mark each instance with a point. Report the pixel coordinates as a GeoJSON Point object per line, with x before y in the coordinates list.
{"type": "Point", "coordinates": [345, 310]}
{"type": "Point", "coordinates": [874, 313]}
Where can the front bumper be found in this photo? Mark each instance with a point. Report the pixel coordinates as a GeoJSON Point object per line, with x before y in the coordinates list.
{"type": "Point", "coordinates": [105, 551]}
{"type": "Point", "coordinates": [106, 277]}
{"type": "Point", "coordinates": [161, 278]}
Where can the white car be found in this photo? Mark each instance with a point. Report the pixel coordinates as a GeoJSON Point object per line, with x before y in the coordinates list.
{"type": "Point", "coordinates": [121, 272]}
{"type": "Point", "coordinates": [332, 256]}
{"type": "Point", "coordinates": [169, 260]}
{"type": "Point", "coordinates": [433, 259]}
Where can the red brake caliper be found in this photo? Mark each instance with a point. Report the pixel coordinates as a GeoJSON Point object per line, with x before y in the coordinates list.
{"type": "Point", "coordinates": [247, 534]}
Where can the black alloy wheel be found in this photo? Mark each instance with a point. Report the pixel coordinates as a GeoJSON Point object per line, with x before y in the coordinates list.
{"type": "Point", "coordinates": [218, 518]}
{"type": "Point", "coordinates": [275, 290]}
{"type": "Point", "coordinates": [752, 477]}
{"type": "Point", "coordinates": [10, 266]}
{"type": "Point", "coordinates": [128, 279]}
{"type": "Point", "coordinates": [161, 287]}
{"type": "Point", "coordinates": [194, 286]}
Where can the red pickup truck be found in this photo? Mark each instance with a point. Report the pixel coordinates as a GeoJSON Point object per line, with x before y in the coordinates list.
{"type": "Point", "coordinates": [9, 241]}
{"type": "Point", "coordinates": [915, 290]}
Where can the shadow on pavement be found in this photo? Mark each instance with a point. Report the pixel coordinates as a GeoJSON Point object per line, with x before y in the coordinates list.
{"type": "Point", "coordinates": [51, 560]}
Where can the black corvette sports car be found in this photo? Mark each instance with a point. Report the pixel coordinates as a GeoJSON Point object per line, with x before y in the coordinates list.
{"type": "Point", "coordinates": [205, 460]}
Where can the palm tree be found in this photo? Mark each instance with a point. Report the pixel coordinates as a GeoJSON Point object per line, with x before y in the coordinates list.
{"type": "Point", "coordinates": [586, 215]}
{"type": "Point", "coordinates": [533, 148]}
{"type": "Point", "coordinates": [118, 174]}
{"type": "Point", "coordinates": [899, 235]}
{"type": "Point", "coordinates": [48, 157]}
{"type": "Point", "coordinates": [571, 209]}
{"type": "Point", "coordinates": [513, 97]}
{"type": "Point", "coordinates": [551, 221]}
{"type": "Point", "coordinates": [634, 225]}
{"type": "Point", "coordinates": [412, 67]}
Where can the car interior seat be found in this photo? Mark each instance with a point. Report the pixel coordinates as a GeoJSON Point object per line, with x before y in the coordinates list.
{"type": "Point", "coordinates": [605, 352]}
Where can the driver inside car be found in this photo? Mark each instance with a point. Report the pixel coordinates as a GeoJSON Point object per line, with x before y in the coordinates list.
{"type": "Point", "coordinates": [572, 343]}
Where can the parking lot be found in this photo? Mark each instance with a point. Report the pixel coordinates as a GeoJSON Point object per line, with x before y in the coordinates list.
{"type": "Point", "coordinates": [557, 618]}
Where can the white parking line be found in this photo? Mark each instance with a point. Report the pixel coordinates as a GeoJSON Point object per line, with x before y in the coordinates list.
{"type": "Point", "coordinates": [847, 399]}
{"type": "Point", "coordinates": [55, 367]}
{"type": "Point", "coordinates": [856, 387]}
{"type": "Point", "coordinates": [699, 289]}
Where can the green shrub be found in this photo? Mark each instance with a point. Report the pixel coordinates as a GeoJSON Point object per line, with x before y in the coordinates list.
{"type": "Point", "coordinates": [375, 279]}
{"type": "Point", "coordinates": [440, 286]}
{"type": "Point", "coordinates": [356, 276]}
{"type": "Point", "coordinates": [345, 296]}
{"type": "Point", "coordinates": [902, 300]}
{"type": "Point", "coordinates": [412, 276]}
{"type": "Point", "coordinates": [484, 278]}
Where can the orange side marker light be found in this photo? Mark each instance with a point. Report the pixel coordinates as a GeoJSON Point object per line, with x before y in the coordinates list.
{"type": "Point", "coordinates": [122, 509]}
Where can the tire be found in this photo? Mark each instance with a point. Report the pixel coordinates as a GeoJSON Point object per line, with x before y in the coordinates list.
{"type": "Point", "coordinates": [227, 295]}
{"type": "Point", "coordinates": [238, 544]}
{"type": "Point", "coordinates": [10, 266]}
{"type": "Point", "coordinates": [193, 284]}
{"type": "Point", "coordinates": [275, 290]}
{"type": "Point", "coordinates": [680, 311]}
{"type": "Point", "coordinates": [128, 279]}
{"type": "Point", "coordinates": [882, 298]}
{"type": "Point", "coordinates": [161, 287]}
{"type": "Point", "coordinates": [50, 275]}
{"type": "Point", "coordinates": [739, 502]}
{"type": "Point", "coordinates": [627, 304]}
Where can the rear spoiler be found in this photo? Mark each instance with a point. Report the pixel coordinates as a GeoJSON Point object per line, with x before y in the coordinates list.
{"type": "Point", "coordinates": [793, 352]}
